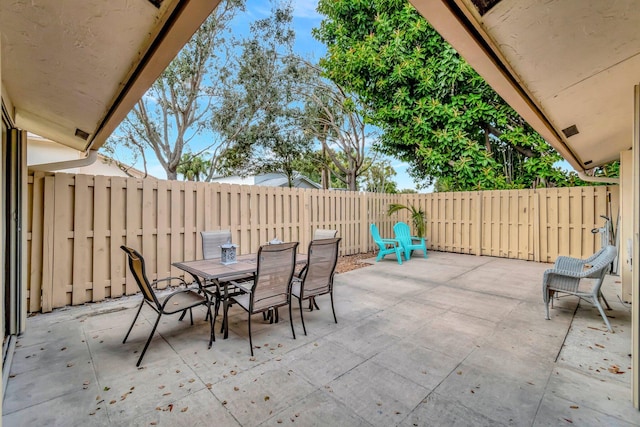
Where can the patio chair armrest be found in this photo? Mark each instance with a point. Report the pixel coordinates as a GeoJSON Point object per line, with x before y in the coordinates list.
{"type": "Point", "coordinates": [169, 279]}
{"type": "Point", "coordinates": [240, 285]}
{"type": "Point", "coordinates": [420, 239]}
{"type": "Point", "coordinates": [393, 242]}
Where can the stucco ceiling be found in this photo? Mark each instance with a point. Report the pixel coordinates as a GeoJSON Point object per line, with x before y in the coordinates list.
{"type": "Point", "coordinates": [74, 66]}
{"type": "Point", "coordinates": [558, 62]}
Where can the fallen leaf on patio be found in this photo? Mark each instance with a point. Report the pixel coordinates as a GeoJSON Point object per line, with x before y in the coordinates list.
{"type": "Point", "coordinates": [252, 359]}
{"type": "Point", "coordinates": [599, 345]}
{"type": "Point", "coordinates": [158, 408]}
{"type": "Point", "coordinates": [568, 420]}
{"type": "Point", "coordinates": [177, 371]}
{"type": "Point", "coordinates": [233, 372]}
{"type": "Point", "coordinates": [397, 412]}
{"type": "Point", "coordinates": [297, 415]}
{"type": "Point", "coordinates": [253, 401]}
{"type": "Point", "coordinates": [266, 398]}
{"type": "Point", "coordinates": [92, 413]}
{"type": "Point", "coordinates": [87, 382]}
{"type": "Point", "coordinates": [69, 365]}
{"type": "Point", "coordinates": [63, 348]}
{"type": "Point", "coordinates": [379, 403]}
{"type": "Point", "coordinates": [167, 393]}
{"type": "Point", "coordinates": [98, 397]}
{"type": "Point", "coordinates": [574, 406]}
{"type": "Point", "coordinates": [459, 372]}
{"type": "Point", "coordinates": [160, 387]}
{"type": "Point", "coordinates": [153, 423]}
{"type": "Point", "coordinates": [224, 402]}
{"type": "Point", "coordinates": [236, 389]}
{"type": "Point", "coordinates": [279, 421]}
{"type": "Point", "coordinates": [107, 388]}
{"type": "Point", "coordinates": [132, 387]}
{"type": "Point", "coordinates": [315, 344]}
{"type": "Point", "coordinates": [192, 380]}
{"type": "Point", "coordinates": [209, 385]}
{"type": "Point", "coordinates": [279, 345]}
{"type": "Point", "coordinates": [185, 409]}
{"type": "Point", "coordinates": [170, 407]}
{"type": "Point", "coordinates": [473, 392]}
{"type": "Point", "coordinates": [112, 402]}
{"type": "Point", "coordinates": [278, 359]}
{"type": "Point", "coordinates": [256, 346]}
{"type": "Point", "coordinates": [530, 383]}
{"type": "Point", "coordinates": [181, 385]}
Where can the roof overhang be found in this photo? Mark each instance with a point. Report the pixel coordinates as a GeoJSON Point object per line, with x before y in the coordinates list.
{"type": "Point", "coordinates": [73, 69]}
{"type": "Point", "coordinates": [558, 63]}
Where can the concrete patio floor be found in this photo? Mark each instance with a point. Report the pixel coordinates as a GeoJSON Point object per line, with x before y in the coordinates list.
{"type": "Point", "coordinates": [452, 340]}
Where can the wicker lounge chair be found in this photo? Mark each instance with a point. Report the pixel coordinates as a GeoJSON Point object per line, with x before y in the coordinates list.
{"type": "Point", "coordinates": [408, 242]}
{"type": "Point", "coordinates": [567, 273]}
{"type": "Point", "coordinates": [176, 302]}
{"type": "Point", "coordinates": [271, 287]}
{"type": "Point", "coordinates": [386, 246]}
{"type": "Point", "coordinates": [317, 278]}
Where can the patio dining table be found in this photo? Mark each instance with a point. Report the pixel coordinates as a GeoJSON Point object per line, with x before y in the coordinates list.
{"type": "Point", "coordinates": [212, 270]}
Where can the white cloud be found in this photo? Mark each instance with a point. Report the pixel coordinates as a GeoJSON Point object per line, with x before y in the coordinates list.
{"type": "Point", "coordinates": [306, 9]}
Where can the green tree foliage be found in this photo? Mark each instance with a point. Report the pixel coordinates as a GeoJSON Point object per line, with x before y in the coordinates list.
{"type": "Point", "coordinates": [378, 178]}
{"type": "Point", "coordinates": [192, 167]}
{"type": "Point", "coordinates": [178, 106]}
{"type": "Point", "coordinates": [264, 87]}
{"type": "Point", "coordinates": [435, 111]}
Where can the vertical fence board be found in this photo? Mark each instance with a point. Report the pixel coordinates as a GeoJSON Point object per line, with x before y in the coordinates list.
{"type": "Point", "coordinates": [117, 216]}
{"type": "Point", "coordinates": [62, 252]}
{"type": "Point", "coordinates": [48, 239]}
{"type": "Point", "coordinates": [37, 242]}
{"type": "Point", "coordinates": [81, 247]}
{"type": "Point", "coordinates": [101, 256]}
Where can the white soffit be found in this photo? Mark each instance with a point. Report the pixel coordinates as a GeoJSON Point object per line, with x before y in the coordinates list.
{"type": "Point", "coordinates": [82, 64]}
{"type": "Point", "coordinates": [575, 60]}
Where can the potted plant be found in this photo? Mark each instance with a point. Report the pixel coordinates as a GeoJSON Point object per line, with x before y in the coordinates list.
{"type": "Point", "coordinates": [418, 217]}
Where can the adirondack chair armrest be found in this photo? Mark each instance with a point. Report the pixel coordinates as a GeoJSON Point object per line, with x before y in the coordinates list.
{"type": "Point", "coordinates": [393, 242]}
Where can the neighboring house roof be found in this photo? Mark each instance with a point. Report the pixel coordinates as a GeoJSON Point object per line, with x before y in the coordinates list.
{"type": "Point", "coordinates": [44, 151]}
{"type": "Point", "coordinates": [268, 180]}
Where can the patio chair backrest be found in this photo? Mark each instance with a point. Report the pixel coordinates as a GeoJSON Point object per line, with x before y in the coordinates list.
{"type": "Point", "coordinates": [375, 234]}
{"type": "Point", "coordinates": [276, 264]}
{"type": "Point", "coordinates": [321, 266]}
{"type": "Point", "coordinates": [324, 234]}
{"type": "Point", "coordinates": [402, 232]}
{"type": "Point", "coordinates": [211, 242]}
{"type": "Point", "coordinates": [137, 268]}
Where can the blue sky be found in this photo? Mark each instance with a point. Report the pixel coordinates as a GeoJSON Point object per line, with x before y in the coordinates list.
{"type": "Point", "coordinates": [305, 18]}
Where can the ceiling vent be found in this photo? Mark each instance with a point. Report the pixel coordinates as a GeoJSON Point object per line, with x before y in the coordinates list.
{"type": "Point", "coordinates": [588, 162]}
{"type": "Point", "coordinates": [570, 131]}
{"type": "Point", "coordinates": [82, 134]}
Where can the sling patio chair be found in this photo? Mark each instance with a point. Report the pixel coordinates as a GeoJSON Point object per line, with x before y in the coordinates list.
{"type": "Point", "coordinates": [567, 273]}
{"type": "Point", "coordinates": [271, 286]}
{"type": "Point", "coordinates": [386, 246]}
{"type": "Point", "coordinates": [321, 233]}
{"type": "Point", "coordinates": [408, 242]}
{"type": "Point", "coordinates": [178, 301]}
{"type": "Point", "coordinates": [318, 277]}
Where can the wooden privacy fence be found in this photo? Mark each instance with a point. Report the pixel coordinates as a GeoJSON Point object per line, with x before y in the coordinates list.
{"type": "Point", "coordinates": [77, 223]}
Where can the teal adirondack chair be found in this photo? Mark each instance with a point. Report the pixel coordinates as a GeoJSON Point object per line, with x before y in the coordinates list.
{"type": "Point", "coordinates": [408, 242]}
{"type": "Point", "coordinates": [386, 246]}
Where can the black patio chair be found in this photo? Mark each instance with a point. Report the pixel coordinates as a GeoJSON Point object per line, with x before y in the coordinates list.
{"type": "Point", "coordinates": [271, 285]}
{"type": "Point", "coordinates": [176, 302]}
{"type": "Point", "coordinates": [317, 278]}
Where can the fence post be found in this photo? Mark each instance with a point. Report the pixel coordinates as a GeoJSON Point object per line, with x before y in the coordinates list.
{"type": "Point", "coordinates": [364, 223]}
{"type": "Point", "coordinates": [536, 225]}
{"type": "Point", "coordinates": [479, 224]}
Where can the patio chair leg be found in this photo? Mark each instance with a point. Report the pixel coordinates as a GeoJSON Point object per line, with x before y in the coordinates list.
{"type": "Point", "coordinates": [153, 331]}
{"type": "Point", "coordinates": [605, 301]}
{"type": "Point", "coordinates": [332, 308]}
{"type": "Point", "coordinates": [212, 336]}
{"type": "Point", "coordinates": [301, 316]}
{"type": "Point", "coordinates": [604, 316]}
{"type": "Point", "coordinates": [182, 315]}
{"type": "Point", "coordinates": [134, 322]}
{"type": "Point", "coordinates": [191, 315]}
{"type": "Point", "coordinates": [291, 321]}
{"type": "Point", "coordinates": [250, 340]}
